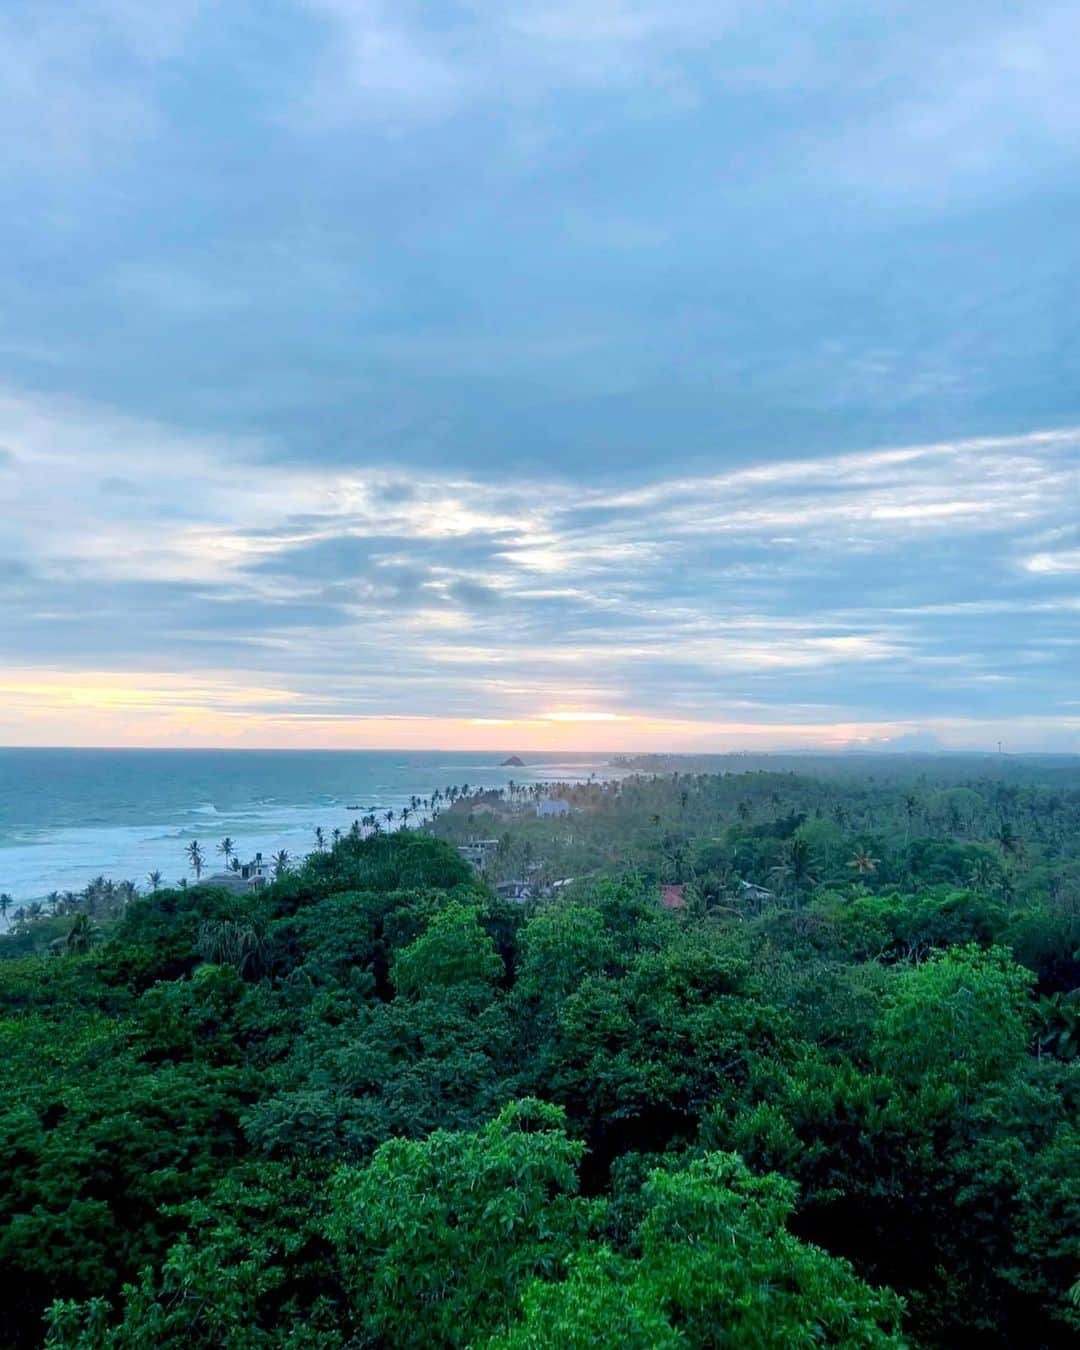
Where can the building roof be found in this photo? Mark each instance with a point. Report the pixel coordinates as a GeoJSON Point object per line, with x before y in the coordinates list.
{"type": "Point", "coordinates": [553, 806]}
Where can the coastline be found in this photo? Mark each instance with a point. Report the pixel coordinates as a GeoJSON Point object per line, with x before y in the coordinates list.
{"type": "Point", "coordinates": [64, 855]}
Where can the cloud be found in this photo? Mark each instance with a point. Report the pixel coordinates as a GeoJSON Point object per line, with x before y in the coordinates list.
{"type": "Point", "coordinates": [780, 585]}
{"type": "Point", "coordinates": [648, 359]}
{"type": "Point", "coordinates": [1068, 560]}
{"type": "Point", "coordinates": [72, 91]}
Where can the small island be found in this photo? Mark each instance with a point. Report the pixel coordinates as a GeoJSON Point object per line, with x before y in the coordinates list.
{"type": "Point", "coordinates": [514, 762]}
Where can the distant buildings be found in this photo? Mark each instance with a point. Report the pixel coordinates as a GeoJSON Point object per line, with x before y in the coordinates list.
{"type": "Point", "coordinates": [258, 872]}
{"type": "Point", "coordinates": [477, 851]}
{"type": "Point", "coordinates": [227, 881]}
{"type": "Point", "coordinates": [552, 806]}
{"type": "Point", "coordinates": [250, 876]}
{"type": "Point", "coordinates": [515, 890]}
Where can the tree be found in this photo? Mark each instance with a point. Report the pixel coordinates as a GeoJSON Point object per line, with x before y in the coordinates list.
{"type": "Point", "coordinates": [320, 839]}
{"type": "Point", "coordinates": [82, 934]}
{"type": "Point", "coordinates": [796, 865]}
{"type": "Point", "coordinates": [717, 1268]}
{"type": "Point", "coordinates": [5, 904]}
{"type": "Point", "coordinates": [249, 1251]}
{"type": "Point", "coordinates": [960, 1019]}
{"type": "Point", "coordinates": [195, 857]}
{"type": "Point", "coordinates": [863, 863]}
{"type": "Point", "coordinates": [154, 880]}
{"type": "Point", "coordinates": [454, 953]}
{"type": "Point", "coordinates": [227, 848]}
{"type": "Point", "coordinates": [230, 942]}
{"type": "Point", "coordinates": [281, 863]}
{"type": "Point", "coordinates": [1008, 841]}
{"type": "Point", "coordinates": [437, 1238]}
{"type": "Point", "coordinates": [983, 874]}
{"type": "Point", "coordinates": [559, 947]}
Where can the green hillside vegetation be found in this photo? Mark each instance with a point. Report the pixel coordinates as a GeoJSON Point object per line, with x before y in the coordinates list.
{"type": "Point", "coordinates": [376, 1105]}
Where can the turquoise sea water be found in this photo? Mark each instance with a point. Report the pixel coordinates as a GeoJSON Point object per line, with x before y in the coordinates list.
{"type": "Point", "coordinates": [69, 815]}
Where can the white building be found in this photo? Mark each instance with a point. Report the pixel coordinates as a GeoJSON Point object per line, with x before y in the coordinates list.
{"type": "Point", "coordinates": [249, 876]}
{"type": "Point", "coordinates": [552, 806]}
{"type": "Point", "coordinates": [477, 851]}
{"type": "Point", "coordinates": [258, 872]}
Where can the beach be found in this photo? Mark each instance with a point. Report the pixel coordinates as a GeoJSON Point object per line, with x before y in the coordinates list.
{"type": "Point", "coordinates": [69, 815]}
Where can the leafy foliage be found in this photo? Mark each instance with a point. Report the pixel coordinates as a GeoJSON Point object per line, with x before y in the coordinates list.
{"type": "Point", "coordinates": [830, 1100]}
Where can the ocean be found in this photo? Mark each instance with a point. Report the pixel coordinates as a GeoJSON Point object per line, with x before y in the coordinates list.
{"type": "Point", "coordinates": [69, 815]}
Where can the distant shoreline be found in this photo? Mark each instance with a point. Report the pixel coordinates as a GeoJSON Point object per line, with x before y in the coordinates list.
{"type": "Point", "coordinates": [69, 848]}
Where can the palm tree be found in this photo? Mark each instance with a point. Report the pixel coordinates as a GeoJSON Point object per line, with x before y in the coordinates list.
{"type": "Point", "coordinates": [195, 857]}
{"type": "Point", "coordinates": [796, 865]}
{"type": "Point", "coordinates": [82, 934]}
{"type": "Point", "coordinates": [320, 839]}
{"type": "Point", "coordinates": [983, 875]}
{"type": "Point", "coordinates": [281, 863]}
{"type": "Point", "coordinates": [53, 901]}
{"type": "Point", "coordinates": [229, 942]}
{"type": "Point", "coordinates": [388, 815]}
{"type": "Point", "coordinates": [6, 902]}
{"type": "Point", "coordinates": [226, 848]}
{"type": "Point", "coordinates": [153, 880]}
{"type": "Point", "coordinates": [1008, 841]}
{"type": "Point", "coordinates": [335, 837]}
{"type": "Point", "coordinates": [863, 863]}
{"type": "Point", "coordinates": [406, 812]}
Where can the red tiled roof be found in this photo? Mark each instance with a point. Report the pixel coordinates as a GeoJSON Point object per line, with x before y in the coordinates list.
{"type": "Point", "coordinates": [672, 897]}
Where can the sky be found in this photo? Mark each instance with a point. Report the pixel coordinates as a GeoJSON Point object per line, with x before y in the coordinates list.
{"type": "Point", "coordinates": [623, 374]}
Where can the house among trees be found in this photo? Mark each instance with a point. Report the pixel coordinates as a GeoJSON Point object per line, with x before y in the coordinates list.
{"type": "Point", "coordinates": [227, 881]}
{"type": "Point", "coordinates": [515, 890]}
{"type": "Point", "coordinates": [673, 897]}
{"type": "Point", "coordinates": [477, 851]}
{"type": "Point", "coordinates": [244, 877]}
{"type": "Point", "coordinates": [552, 806]}
{"type": "Point", "coordinates": [258, 872]}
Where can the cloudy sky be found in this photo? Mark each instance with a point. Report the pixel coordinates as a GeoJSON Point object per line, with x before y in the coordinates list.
{"type": "Point", "coordinates": [615, 373]}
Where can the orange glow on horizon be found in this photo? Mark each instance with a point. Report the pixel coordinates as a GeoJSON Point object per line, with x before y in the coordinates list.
{"type": "Point", "coordinates": [209, 709]}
